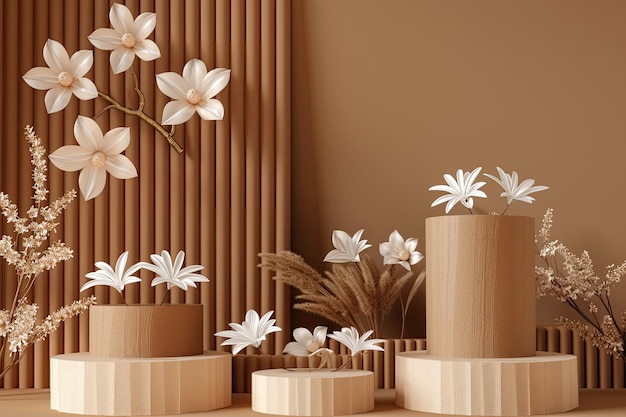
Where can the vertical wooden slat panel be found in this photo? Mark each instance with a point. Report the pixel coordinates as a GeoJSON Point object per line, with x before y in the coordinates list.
{"type": "Point", "coordinates": [237, 155]}
{"type": "Point", "coordinates": [268, 157]}
{"type": "Point", "coordinates": [222, 168]}
{"type": "Point", "coordinates": [207, 230]}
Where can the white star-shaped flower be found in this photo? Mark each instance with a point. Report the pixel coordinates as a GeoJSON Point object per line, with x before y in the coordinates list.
{"type": "Point", "coordinates": [127, 38]}
{"type": "Point", "coordinates": [462, 190]}
{"type": "Point", "coordinates": [63, 77]}
{"type": "Point", "coordinates": [95, 155]}
{"type": "Point", "coordinates": [173, 274]}
{"type": "Point", "coordinates": [193, 92]}
{"type": "Point", "coordinates": [399, 251]}
{"type": "Point", "coordinates": [349, 336]}
{"type": "Point", "coordinates": [251, 332]}
{"type": "Point", "coordinates": [513, 191]}
{"type": "Point", "coordinates": [116, 278]}
{"type": "Point", "coordinates": [306, 343]}
{"type": "Point", "coordinates": [347, 248]}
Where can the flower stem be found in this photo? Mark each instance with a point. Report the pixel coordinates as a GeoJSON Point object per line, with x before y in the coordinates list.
{"type": "Point", "coordinates": [114, 104]}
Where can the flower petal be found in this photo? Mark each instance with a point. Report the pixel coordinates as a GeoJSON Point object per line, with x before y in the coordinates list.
{"type": "Point", "coordinates": [302, 335]}
{"type": "Point", "coordinates": [41, 78]}
{"type": "Point", "coordinates": [70, 158]}
{"type": "Point", "coordinates": [172, 85]}
{"type": "Point", "coordinates": [120, 167]}
{"type": "Point", "coordinates": [105, 39]}
{"type": "Point", "coordinates": [147, 50]}
{"type": "Point", "coordinates": [121, 59]}
{"type": "Point", "coordinates": [91, 181]}
{"type": "Point", "coordinates": [121, 19]}
{"type": "Point", "coordinates": [210, 110]}
{"type": "Point", "coordinates": [214, 82]}
{"type": "Point", "coordinates": [84, 89]}
{"type": "Point", "coordinates": [194, 73]}
{"type": "Point", "coordinates": [57, 98]}
{"type": "Point", "coordinates": [56, 56]}
{"type": "Point", "coordinates": [80, 63]}
{"type": "Point", "coordinates": [144, 25]}
{"type": "Point", "coordinates": [115, 141]}
{"type": "Point", "coordinates": [88, 133]}
{"type": "Point", "coordinates": [177, 112]}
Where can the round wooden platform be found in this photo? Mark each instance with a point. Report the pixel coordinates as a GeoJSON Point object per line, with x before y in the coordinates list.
{"type": "Point", "coordinates": [84, 384]}
{"type": "Point", "coordinates": [312, 392]}
{"type": "Point", "coordinates": [541, 384]}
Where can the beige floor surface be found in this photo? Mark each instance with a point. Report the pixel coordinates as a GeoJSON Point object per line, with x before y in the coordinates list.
{"type": "Point", "coordinates": [36, 403]}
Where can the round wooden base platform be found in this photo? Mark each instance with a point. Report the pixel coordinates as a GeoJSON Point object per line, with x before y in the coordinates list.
{"type": "Point", "coordinates": [542, 384]}
{"type": "Point", "coordinates": [312, 392]}
{"type": "Point", "coordinates": [84, 384]}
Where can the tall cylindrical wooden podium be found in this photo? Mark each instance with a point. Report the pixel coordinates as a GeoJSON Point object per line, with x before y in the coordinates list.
{"type": "Point", "coordinates": [480, 326]}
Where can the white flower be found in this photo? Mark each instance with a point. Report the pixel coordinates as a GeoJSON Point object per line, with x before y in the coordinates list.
{"type": "Point", "coordinates": [193, 92]}
{"type": "Point", "coordinates": [307, 343]}
{"type": "Point", "coordinates": [347, 248]}
{"type": "Point", "coordinates": [127, 38]}
{"type": "Point", "coordinates": [512, 191]}
{"type": "Point", "coordinates": [251, 332]}
{"type": "Point", "coordinates": [95, 155]}
{"type": "Point", "coordinates": [349, 336]}
{"type": "Point", "coordinates": [462, 190]}
{"type": "Point", "coordinates": [64, 77]}
{"type": "Point", "coordinates": [173, 273]}
{"type": "Point", "coordinates": [116, 278]}
{"type": "Point", "coordinates": [399, 251]}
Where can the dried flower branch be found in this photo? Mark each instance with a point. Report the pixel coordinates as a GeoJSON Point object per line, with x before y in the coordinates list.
{"type": "Point", "coordinates": [571, 279]}
{"type": "Point", "coordinates": [354, 292]}
{"type": "Point", "coordinates": [30, 251]}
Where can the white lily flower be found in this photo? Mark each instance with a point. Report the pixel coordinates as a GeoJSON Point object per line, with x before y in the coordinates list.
{"type": "Point", "coordinates": [95, 155]}
{"type": "Point", "coordinates": [349, 336]}
{"type": "Point", "coordinates": [462, 190]}
{"type": "Point", "coordinates": [347, 248]}
{"type": "Point", "coordinates": [399, 251]}
{"type": "Point", "coordinates": [116, 278]}
{"type": "Point", "coordinates": [173, 274]}
{"type": "Point", "coordinates": [307, 343]}
{"type": "Point", "coordinates": [127, 38]}
{"type": "Point", "coordinates": [193, 92]}
{"type": "Point", "coordinates": [512, 191]}
{"type": "Point", "coordinates": [251, 332]}
{"type": "Point", "coordinates": [63, 77]}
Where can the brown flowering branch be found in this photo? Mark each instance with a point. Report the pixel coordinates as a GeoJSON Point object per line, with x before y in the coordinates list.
{"type": "Point", "coordinates": [571, 279]}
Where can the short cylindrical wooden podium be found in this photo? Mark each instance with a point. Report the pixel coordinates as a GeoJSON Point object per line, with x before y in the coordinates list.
{"type": "Point", "coordinates": [480, 326]}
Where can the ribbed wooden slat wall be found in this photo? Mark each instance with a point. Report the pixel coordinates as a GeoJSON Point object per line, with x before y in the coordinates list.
{"type": "Point", "coordinates": [224, 200]}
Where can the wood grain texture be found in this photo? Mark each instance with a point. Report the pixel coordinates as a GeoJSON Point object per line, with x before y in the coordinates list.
{"type": "Point", "coordinates": [145, 331]}
{"type": "Point", "coordinates": [84, 384]}
{"type": "Point", "coordinates": [313, 392]}
{"type": "Point", "coordinates": [480, 291]}
{"type": "Point", "coordinates": [541, 384]}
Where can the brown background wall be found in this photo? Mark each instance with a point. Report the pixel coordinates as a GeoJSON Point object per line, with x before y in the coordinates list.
{"type": "Point", "coordinates": [390, 94]}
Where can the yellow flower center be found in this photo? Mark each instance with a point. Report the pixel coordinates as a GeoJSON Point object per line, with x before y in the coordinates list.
{"type": "Point", "coordinates": [312, 345]}
{"type": "Point", "coordinates": [404, 255]}
{"type": "Point", "coordinates": [128, 40]}
{"type": "Point", "coordinates": [193, 96]}
{"type": "Point", "coordinates": [65, 79]}
{"type": "Point", "coordinates": [98, 159]}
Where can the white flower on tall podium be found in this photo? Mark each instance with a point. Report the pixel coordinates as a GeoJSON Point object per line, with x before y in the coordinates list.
{"type": "Point", "coordinates": [63, 77]}
{"type": "Point", "coordinates": [193, 92]}
{"type": "Point", "coordinates": [462, 190]}
{"type": "Point", "coordinates": [251, 332]}
{"type": "Point", "coordinates": [173, 273]}
{"type": "Point", "coordinates": [513, 191]}
{"type": "Point", "coordinates": [95, 155]}
{"type": "Point", "coordinates": [127, 38]}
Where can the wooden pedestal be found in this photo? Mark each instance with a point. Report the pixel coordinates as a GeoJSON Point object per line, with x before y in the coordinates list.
{"type": "Point", "coordinates": [314, 392]}
{"type": "Point", "coordinates": [542, 384]}
{"type": "Point", "coordinates": [84, 384]}
{"type": "Point", "coordinates": [145, 331]}
{"type": "Point", "coordinates": [480, 286]}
